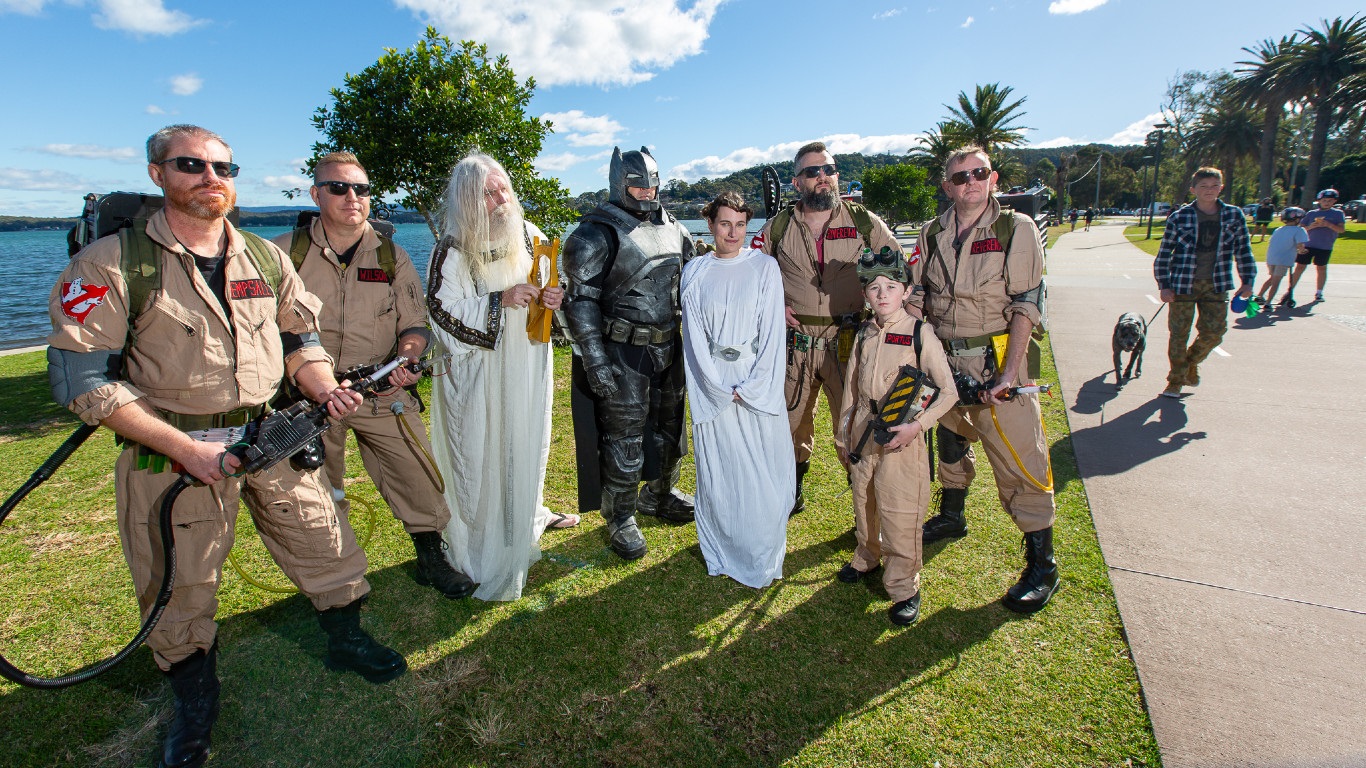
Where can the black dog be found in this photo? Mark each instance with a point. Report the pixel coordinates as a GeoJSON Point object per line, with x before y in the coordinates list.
{"type": "Point", "coordinates": [1131, 335]}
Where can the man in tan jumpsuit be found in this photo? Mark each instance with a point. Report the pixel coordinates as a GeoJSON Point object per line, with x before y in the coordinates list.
{"type": "Point", "coordinates": [368, 317]}
{"type": "Point", "coordinates": [821, 240]}
{"type": "Point", "coordinates": [207, 350]}
{"type": "Point", "coordinates": [984, 294]}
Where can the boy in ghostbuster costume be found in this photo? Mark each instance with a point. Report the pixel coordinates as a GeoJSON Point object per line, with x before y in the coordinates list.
{"type": "Point", "coordinates": [622, 267]}
{"type": "Point", "coordinates": [891, 482]}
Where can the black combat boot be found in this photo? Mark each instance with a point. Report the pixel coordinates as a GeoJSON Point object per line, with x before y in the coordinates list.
{"type": "Point", "coordinates": [950, 522]}
{"type": "Point", "coordinates": [799, 505]}
{"type": "Point", "coordinates": [351, 648]}
{"type": "Point", "coordinates": [195, 683]}
{"type": "Point", "coordinates": [659, 498]}
{"type": "Point", "coordinates": [1039, 581]}
{"type": "Point", "coordinates": [623, 535]}
{"type": "Point", "coordinates": [905, 612]}
{"type": "Point", "coordinates": [434, 569]}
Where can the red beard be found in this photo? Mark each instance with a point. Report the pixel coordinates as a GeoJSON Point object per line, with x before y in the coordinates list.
{"type": "Point", "coordinates": [191, 202]}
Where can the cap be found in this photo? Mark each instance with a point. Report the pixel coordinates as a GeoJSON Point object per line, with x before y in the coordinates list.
{"type": "Point", "coordinates": [889, 261]}
{"type": "Point", "coordinates": [1330, 192]}
{"type": "Point", "coordinates": [1292, 213]}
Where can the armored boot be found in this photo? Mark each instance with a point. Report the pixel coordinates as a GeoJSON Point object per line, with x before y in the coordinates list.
{"type": "Point", "coordinates": [351, 648]}
{"type": "Point", "coordinates": [950, 522]}
{"type": "Point", "coordinates": [799, 505]}
{"type": "Point", "coordinates": [195, 683]}
{"type": "Point", "coordinates": [659, 498]}
{"type": "Point", "coordinates": [623, 535]}
{"type": "Point", "coordinates": [434, 569]}
{"type": "Point", "coordinates": [1039, 581]}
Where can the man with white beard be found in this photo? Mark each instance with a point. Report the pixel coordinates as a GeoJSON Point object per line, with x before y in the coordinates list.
{"type": "Point", "coordinates": [491, 414]}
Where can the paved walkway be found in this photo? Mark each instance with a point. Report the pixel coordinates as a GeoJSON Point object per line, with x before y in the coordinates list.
{"type": "Point", "coordinates": [1232, 521]}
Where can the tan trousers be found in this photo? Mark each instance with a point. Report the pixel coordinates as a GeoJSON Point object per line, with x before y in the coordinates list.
{"type": "Point", "coordinates": [400, 469]}
{"type": "Point", "coordinates": [810, 372]}
{"type": "Point", "coordinates": [294, 515]}
{"type": "Point", "coordinates": [891, 492]}
{"type": "Point", "coordinates": [1030, 508]}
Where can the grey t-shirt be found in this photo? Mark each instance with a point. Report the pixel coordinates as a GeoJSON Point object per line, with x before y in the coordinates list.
{"type": "Point", "coordinates": [1206, 244]}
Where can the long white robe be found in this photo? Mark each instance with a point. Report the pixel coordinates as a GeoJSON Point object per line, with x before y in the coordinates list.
{"type": "Point", "coordinates": [491, 426]}
{"type": "Point", "coordinates": [746, 472]}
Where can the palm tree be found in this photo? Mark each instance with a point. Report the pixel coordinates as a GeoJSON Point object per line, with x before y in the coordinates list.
{"type": "Point", "coordinates": [936, 146]}
{"type": "Point", "coordinates": [1227, 131]}
{"type": "Point", "coordinates": [986, 119]}
{"type": "Point", "coordinates": [1318, 65]}
{"type": "Point", "coordinates": [1261, 83]}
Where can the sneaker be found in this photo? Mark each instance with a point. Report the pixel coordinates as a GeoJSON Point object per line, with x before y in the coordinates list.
{"type": "Point", "coordinates": [1287, 302]}
{"type": "Point", "coordinates": [1172, 390]}
{"type": "Point", "coordinates": [1318, 295]}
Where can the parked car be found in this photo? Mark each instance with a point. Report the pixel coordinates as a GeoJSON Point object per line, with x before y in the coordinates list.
{"type": "Point", "coordinates": [1250, 210]}
{"type": "Point", "coordinates": [1352, 206]}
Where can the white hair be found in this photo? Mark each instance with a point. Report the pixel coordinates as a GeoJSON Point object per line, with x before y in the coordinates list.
{"type": "Point", "coordinates": [482, 237]}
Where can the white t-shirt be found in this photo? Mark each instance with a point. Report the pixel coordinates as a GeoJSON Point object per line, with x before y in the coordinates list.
{"type": "Point", "coordinates": [1281, 250]}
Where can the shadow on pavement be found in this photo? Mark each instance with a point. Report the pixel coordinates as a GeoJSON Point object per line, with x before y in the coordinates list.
{"type": "Point", "coordinates": [1133, 438]}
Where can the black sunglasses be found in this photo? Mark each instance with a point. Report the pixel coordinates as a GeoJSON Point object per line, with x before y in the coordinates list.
{"type": "Point", "coordinates": [195, 166]}
{"type": "Point", "coordinates": [961, 178]}
{"type": "Point", "coordinates": [812, 171]}
{"type": "Point", "coordinates": [339, 188]}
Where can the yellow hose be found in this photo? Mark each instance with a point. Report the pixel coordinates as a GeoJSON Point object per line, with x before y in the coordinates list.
{"type": "Point", "coordinates": [363, 540]}
{"type": "Point", "coordinates": [1048, 461]}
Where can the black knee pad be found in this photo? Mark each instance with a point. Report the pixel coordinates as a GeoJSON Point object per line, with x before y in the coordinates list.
{"type": "Point", "coordinates": [952, 446]}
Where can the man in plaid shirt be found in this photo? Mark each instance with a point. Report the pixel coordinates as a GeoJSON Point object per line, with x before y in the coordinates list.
{"type": "Point", "coordinates": [1194, 274]}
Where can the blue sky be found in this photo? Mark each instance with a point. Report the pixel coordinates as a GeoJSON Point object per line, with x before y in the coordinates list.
{"type": "Point", "coordinates": [710, 85]}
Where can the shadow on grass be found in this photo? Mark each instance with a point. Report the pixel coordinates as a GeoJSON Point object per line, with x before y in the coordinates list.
{"type": "Point", "coordinates": [27, 408]}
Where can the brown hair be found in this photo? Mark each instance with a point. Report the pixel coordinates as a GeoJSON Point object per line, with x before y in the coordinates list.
{"type": "Point", "coordinates": [159, 143]}
{"type": "Point", "coordinates": [815, 146]}
{"type": "Point", "coordinates": [1207, 172]}
{"type": "Point", "coordinates": [337, 158]}
{"type": "Point", "coordinates": [961, 154]}
{"type": "Point", "coordinates": [728, 199]}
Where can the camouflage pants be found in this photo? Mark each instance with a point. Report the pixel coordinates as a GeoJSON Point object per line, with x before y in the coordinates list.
{"type": "Point", "coordinates": [1212, 307]}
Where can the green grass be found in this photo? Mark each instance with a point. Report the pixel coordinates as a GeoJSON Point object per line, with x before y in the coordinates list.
{"type": "Point", "coordinates": [601, 663]}
{"type": "Point", "coordinates": [1350, 247]}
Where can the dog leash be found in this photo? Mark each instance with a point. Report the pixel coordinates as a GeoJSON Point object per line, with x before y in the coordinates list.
{"type": "Point", "coordinates": [1154, 317]}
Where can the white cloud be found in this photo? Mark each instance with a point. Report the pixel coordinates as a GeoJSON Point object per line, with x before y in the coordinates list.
{"type": "Point", "coordinates": [887, 14]}
{"type": "Point", "coordinates": [565, 160]}
{"type": "Point", "coordinates": [286, 181]}
{"type": "Point", "coordinates": [666, 98]}
{"type": "Point", "coordinates": [1061, 141]}
{"type": "Point", "coordinates": [187, 84]}
{"type": "Point", "coordinates": [1136, 132]}
{"type": "Point", "coordinates": [713, 166]}
{"type": "Point", "coordinates": [143, 17]}
{"type": "Point", "coordinates": [582, 130]}
{"type": "Point", "coordinates": [42, 181]}
{"type": "Point", "coordinates": [26, 7]}
{"type": "Point", "coordinates": [968, 23]}
{"type": "Point", "coordinates": [1069, 7]}
{"type": "Point", "coordinates": [584, 42]}
{"type": "Point", "coordinates": [91, 152]}
{"type": "Point", "coordinates": [153, 109]}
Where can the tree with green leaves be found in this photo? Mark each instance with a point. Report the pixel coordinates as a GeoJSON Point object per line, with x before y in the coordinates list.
{"type": "Point", "coordinates": [412, 115]}
{"type": "Point", "coordinates": [1321, 64]}
{"type": "Point", "coordinates": [988, 118]}
{"type": "Point", "coordinates": [900, 194]}
{"type": "Point", "coordinates": [1260, 81]}
{"type": "Point", "coordinates": [1227, 131]}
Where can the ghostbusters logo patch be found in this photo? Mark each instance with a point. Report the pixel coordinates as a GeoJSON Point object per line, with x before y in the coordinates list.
{"type": "Point", "coordinates": [371, 276]}
{"type": "Point", "coordinates": [757, 242]}
{"type": "Point", "coordinates": [902, 339]}
{"type": "Point", "coordinates": [914, 256]}
{"type": "Point", "coordinates": [256, 288]}
{"type": "Point", "coordinates": [78, 299]}
{"type": "Point", "coordinates": [990, 245]}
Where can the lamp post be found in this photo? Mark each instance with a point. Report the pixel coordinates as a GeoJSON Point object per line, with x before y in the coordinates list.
{"type": "Point", "coordinates": [1143, 190]}
{"type": "Point", "coordinates": [1157, 167]}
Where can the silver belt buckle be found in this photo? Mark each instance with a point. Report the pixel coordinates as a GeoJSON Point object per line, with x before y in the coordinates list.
{"type": "Point", "coordinates": [729, 354]}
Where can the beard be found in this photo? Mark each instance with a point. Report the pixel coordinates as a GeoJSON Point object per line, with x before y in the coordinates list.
{"type": "Point", "coordinates": [188, 201]}
{"type": "Point", "coordinates": [820, 199]}
{"type": "Point", "coordinates": [504, 261]}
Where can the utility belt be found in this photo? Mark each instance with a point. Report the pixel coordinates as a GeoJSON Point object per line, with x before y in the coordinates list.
{"type": "Point", "coordinates": [732, 353]}
{"type": "Point", "coordinates": [993, 347]}
{"type": "Point", "coordinates": [227, 428]}
{"type": "Point", "coordinates": [843, 340]}
{"type": "Point", "coordinates": [975, 346]}
{"type": "Point", "coordinates": [621, 331]}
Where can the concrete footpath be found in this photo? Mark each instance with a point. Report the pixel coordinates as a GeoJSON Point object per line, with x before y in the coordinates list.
{"type": "Point", "coordinates": [1232, 521]}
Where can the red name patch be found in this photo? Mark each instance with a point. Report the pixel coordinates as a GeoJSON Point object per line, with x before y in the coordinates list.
{"type": "Point", "coordinates": [78, 299]}
{"type": "Point", "coordinates": [371, 276]}
{"type": "Point", "coordinates": [990, 245]}
{"type": "Point", "coordinates": [841, 233]}
{"type": "Point", "coordinates": [256, 288]}
{"type": "Point", "coordinates": [904, 339]}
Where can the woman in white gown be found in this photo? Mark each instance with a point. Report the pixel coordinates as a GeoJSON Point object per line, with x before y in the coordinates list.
{"type": "Point", "coordinates": [491, 413]}
{"type": "Point", "coordinates": [734, 340]}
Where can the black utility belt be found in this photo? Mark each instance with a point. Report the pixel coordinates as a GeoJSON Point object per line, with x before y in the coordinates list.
{"type": "Point", "coordinates": [621, 331]}
{"type": "Point", "coordinates": [844, 320]}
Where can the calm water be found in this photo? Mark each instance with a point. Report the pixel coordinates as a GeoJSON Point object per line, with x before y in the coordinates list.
{"type": "Point", "coordinates": [33, 260]}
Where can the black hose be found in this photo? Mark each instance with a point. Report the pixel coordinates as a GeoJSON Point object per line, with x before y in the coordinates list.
{"type": "Point", "coordinates": [13, 673]}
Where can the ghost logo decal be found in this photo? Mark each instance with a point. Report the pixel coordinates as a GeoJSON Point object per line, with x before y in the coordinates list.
{"type": "Point", "coordinates": [78, 299]}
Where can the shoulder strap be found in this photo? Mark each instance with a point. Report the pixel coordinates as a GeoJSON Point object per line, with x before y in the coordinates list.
{"type": "Point", "coordinates": [929, 236]}
{"type": "Point", "coordinates": [298, 246]}
{"type": "Point", "coordinates": [260, 254]}
{"type": "Point", "coordinates": [918, 344]}
{"type": "Point", "coordinates": [1004, 229]}
{"type": "Point", "coordinates": [862, 222]}
{"type": "Point", "coordinates": [386, 257]}
{"type": "Point", "coordinates": [779, 228]}
{"type": "Point", "coordinates": [140, 262]}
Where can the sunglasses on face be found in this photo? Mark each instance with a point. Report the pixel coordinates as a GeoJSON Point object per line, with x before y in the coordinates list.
{"type": "Point", "coordinates": [812, 171]}
{"type": "Point", "coordinates": [339, 188]}
{"type": "Point", "coordinates": [961, 178]}
{"type": "Point", "coordinates": [195, 166]}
